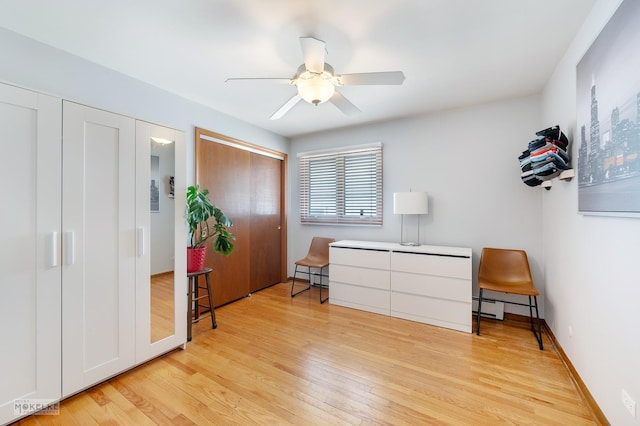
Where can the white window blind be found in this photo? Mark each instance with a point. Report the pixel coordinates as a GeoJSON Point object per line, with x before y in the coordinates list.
{"type": "Point", "coordinates": [342, 187]}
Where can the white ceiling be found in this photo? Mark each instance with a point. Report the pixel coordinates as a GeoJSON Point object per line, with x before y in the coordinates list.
{"type": "Point", "coordinates": [452, 52]}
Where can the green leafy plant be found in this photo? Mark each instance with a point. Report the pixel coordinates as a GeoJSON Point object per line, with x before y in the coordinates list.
{"type": "Point", "coordinates": [199, 210]}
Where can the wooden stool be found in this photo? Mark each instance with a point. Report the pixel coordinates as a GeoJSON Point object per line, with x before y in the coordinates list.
{"type": "Point", "coordinates": [194, 313]}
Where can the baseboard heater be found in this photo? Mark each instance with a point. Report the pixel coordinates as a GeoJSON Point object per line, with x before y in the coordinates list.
{"type": "Point", "coordinates": [490, 309]}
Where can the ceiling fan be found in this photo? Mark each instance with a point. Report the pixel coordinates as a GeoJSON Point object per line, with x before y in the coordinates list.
{"type": "Point", "coordinates": [316, 80]}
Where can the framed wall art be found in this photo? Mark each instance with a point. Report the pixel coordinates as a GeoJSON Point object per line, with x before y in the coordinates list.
{"type": "Point", "coordinates": [608, 117]}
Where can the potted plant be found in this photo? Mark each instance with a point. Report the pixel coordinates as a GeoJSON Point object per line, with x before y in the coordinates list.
{"type": "Point", "coordinates": [198, 212]}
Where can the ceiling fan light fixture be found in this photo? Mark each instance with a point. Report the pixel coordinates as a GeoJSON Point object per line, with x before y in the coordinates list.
{"type": "Point", "coordinates": [316, 80]}
{"type": "Point", "coordinates": [315, 88]}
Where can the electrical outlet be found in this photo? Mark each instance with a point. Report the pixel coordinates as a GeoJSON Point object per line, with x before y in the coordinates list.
{"type": "Point", "coordinates": [629, 403]}
{"type": "Point", "coordinates": [570, 331]}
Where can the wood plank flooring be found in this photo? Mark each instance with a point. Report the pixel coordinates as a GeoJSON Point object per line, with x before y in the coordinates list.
{"type": "Point", "coordinates": [162, 302]}
{"type": "Point", "coordinates": [274, 360]}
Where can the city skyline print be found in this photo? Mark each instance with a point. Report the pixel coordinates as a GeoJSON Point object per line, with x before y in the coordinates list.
{"type": "Point", "coordinates": [608, 117]}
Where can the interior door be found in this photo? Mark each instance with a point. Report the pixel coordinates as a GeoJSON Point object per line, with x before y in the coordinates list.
{"type": "Point", "coordinates": [98, 322]}
{"type": "Point", "coordinates": [266, 220]}
{"type": "Point", "coordinates": [30, 277]}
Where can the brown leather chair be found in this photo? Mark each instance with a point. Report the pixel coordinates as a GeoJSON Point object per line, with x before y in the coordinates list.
{"type": "Point", "coordinates": [317, 258]}
{"type": "Point", "coordinates": [507, 271]}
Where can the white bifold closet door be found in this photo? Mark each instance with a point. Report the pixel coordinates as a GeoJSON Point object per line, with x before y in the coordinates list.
{"type": "Point", "coordinates": [99, 246]}
{"type": "Point", "coordinates": [30, 275]}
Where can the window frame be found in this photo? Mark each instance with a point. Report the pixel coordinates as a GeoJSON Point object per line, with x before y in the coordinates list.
{"type": "Point", "coordinates": [360, 172]}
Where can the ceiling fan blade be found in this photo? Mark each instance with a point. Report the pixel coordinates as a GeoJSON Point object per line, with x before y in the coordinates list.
{"type": "Point", "coordinates": [261, 80]}
{"type": "Point", "coordinates": [313, 52]}
{"type": "Point", "coordinates": [285, 108]}
{"type": "Point", "coordinates": [343, 104]}
{"type": "Point", "coordinates": [389, 77]}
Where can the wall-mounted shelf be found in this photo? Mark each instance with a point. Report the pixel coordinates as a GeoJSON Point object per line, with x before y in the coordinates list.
{"type": "Point", "coordinates": [567, 175]}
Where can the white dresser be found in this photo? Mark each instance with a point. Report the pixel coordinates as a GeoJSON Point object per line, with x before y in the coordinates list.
{"type": "Point", "coordinates": [429, 284]}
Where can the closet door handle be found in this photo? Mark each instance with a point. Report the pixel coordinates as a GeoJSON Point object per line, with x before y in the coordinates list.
{"type": "Point", "coordinates": [140, 241]}
{"type": "Point", "coordinates": [69, 248]}
{"type": "Point", "coordinates": [52, 250]}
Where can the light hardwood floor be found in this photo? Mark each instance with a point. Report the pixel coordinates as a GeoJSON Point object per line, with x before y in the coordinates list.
{"type": "Point", "coordinates": [162, 309]}
{"type": "Point", "coordinates": [274, 360]}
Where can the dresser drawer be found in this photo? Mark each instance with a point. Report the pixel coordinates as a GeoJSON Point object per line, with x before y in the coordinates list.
{"type": "Point", "coordinates": [432, 286]}
{"type": "Point", "coordinates": [372, 259]}
{"type": "Point", "coordinates": [432, 311]}
{"type": "Point", "coordinates": [374, 278]}
{"type": "Point", "coordinates": [367, 299]}
{"type": "Point", "coordinates": [428, 264]}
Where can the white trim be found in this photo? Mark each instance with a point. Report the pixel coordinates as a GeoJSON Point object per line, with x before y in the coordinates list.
{"type": "Point", "coordinates": [242, 147]}
{"type": "Point", "coordinates": [343, 150]}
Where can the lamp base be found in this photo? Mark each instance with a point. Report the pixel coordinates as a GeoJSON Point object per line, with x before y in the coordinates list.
{"type": "Point", "coordinates": [410, 244]}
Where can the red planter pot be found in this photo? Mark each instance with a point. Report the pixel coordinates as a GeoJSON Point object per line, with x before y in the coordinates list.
{"type": "Point", "coordinates": [195, 259]}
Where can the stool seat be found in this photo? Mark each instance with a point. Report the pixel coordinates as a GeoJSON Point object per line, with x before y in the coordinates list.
{"type": "Point", "coordinates": [196, 310]}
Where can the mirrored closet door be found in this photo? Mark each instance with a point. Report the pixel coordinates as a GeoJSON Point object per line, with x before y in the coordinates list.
{"type": "Point", "coordinates": [161, 284]}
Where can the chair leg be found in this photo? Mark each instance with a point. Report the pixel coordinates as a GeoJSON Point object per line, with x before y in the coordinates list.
{"type": "Point", "coordinates": [538, 334]}
{"type": "Point", "coordinates": [293, 283]}
{"type": "Point", "coordinates": [214, 323]}
{"type": "Point", "coordinates": [531, 315]}
{"type": "Point", "coordinates": [190, 308]}
{"type": "Point", "coordinates": [326, 298]}
{"type": "Point", "coordinates": [479, 310]}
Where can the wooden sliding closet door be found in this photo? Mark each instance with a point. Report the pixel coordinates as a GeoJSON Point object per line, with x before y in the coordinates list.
{"type": "Point", "coordinates": [246, 183]}
{"type": "Point", "coordinates": [222, 170]}
{"type": "Point", "coordinates": [266, 221]}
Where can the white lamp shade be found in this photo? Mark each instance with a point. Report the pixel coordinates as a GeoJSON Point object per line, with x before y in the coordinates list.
{"type": "Point", "coordinates": [315, 88]}
{"type": "Point", "coordinates": [410, 203]}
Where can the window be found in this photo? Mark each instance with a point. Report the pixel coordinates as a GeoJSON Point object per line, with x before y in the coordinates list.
{"type": "Point", "coordinates": [342, 187]}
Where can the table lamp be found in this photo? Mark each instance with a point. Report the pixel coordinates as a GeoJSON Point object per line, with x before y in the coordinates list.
{"type": "Point", "coordinates": [410, 203]}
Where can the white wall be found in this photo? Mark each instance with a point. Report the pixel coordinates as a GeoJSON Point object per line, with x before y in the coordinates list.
{"type": "Point", "coordinates": [591, 263]}
{"type": "Point", "coordinates": [33, 65]}
{"type": "Point", "coordinates": [466, 159]}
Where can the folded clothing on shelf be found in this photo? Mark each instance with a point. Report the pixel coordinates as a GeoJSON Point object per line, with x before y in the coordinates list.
{"type": "Point", "coordinates": [545, 157]}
